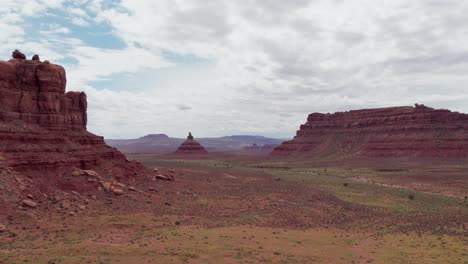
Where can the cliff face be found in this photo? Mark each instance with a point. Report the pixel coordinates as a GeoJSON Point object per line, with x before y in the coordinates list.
{"type": "Point", "coordinates": [34, 93]}
{"type": "Point", "coordinates": [43, 129]}
{"type": "Point", "coordinates": [417, 131]}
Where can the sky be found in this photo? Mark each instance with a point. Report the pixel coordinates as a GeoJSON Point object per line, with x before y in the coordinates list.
{"type": "Point", "coordinates": [257, 67]}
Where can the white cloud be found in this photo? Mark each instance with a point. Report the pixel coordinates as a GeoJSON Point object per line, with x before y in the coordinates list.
{"type": "Point", "coordinates": [78, 12]}
{"type": "Point", "coordinates": [78, 21]}
{"type": "Point", "coordinates": [55, 29]}
{"type": "Point", "coordinates": [96, 64]}
{"type": "Point", "coordinates": [260, 66]}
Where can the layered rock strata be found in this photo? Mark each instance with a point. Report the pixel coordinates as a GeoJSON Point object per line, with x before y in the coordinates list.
{"type": "Point", "coordinates": [43, 129]}
{"type": "Point", "coordinates": [191, 146]}
{"type": "Point", "coordinates": [417, 131]}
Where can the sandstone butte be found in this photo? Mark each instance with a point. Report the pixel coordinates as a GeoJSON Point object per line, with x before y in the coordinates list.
{"type": "Point", "coordinates": [406, 131]}
{"type": "Point", "coordinates": [43, 131]}
{"type": "Point", "coordinates": [191, 146]}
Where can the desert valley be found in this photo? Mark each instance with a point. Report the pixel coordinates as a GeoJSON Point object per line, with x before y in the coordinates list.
{"type": "Point", "coordinates": [382, 185]}
{"type": "Point", "coordinates": [243, 132]}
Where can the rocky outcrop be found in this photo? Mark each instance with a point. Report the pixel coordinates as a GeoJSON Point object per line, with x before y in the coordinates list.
{"type": "Point", "coordinates": [191, 146]}
{"type": "Point", "coordinates": [34, 93]}
{"type": "Point", "coordinates": [43, 129]}
{"type": "Point", "coordinates": [16, 54]}
{"type": "Point", "coordinates": [418, 131]}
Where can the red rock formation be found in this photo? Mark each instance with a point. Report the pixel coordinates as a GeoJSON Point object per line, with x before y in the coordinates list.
{"type": "Point", "coordinates": [34, 93]}
{"type": "Point", "coordinates": [43, 129]}
{"type": "Point", "coordinates": [417, 131]}
{"type": "Point", "coordinates": [191, 146]}
{"type": "Point", "coordinates": [16, 54]}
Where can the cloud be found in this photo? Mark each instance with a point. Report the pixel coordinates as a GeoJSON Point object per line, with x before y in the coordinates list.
{"type": "Point", "coordinates": [254, 66]}
{"type": "Point", "coordinates": [183, 107]}
{"type": "Point", "coordinates": [78, 21]}
{"type": "Point", "coordinates": [95, 63]}
{"type": "Point", "coordinates": [55, 29]}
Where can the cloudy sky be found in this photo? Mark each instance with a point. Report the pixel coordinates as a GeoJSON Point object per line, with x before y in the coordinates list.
{"type": "Point", "coordinates": [227, 67]}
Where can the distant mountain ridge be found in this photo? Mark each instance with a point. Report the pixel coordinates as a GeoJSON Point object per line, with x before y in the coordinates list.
{"type": "Point", "coordinates": [155, 136]}
{"type": "Point", "coordinates": [162, 143]}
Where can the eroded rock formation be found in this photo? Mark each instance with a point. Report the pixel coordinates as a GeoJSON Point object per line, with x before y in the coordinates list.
{"type": "Point", "coordinates": [16, 54]}
{"type": "Point", "coordinates": [191, 146]}
{"type": "Point", "coordinates": [43, 129]}
{"type": "Point", "coordinates": [418, 131]}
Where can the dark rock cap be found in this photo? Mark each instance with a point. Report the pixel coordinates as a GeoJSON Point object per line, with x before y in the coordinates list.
{"type": "Point", "coordinates": [16, 54]}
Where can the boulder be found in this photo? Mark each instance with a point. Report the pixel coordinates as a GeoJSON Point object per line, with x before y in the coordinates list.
{"type": "Point", "coordinates": [90, 173]}
{"type": "Point", "coordinates": [29, 203]}
{"type": "Point", "coordinates": [162, 177]}
{"type": "Point", "coordinates": [117, 191]}
{"type": "Point", "coordinates": [120, 184]}
{"type": "Point", "coordinates": [107, 186]}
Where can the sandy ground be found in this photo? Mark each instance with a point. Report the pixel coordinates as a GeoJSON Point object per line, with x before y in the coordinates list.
{"type": "Point", "coordinates": [221, 212]}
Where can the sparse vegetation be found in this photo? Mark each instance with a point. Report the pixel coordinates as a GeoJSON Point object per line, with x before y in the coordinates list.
{"type": "Point", "coordinates": [239, 204]}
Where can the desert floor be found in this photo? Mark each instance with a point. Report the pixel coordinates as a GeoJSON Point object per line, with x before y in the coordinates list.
{"type": "Point", "coordinates": [256, 210]}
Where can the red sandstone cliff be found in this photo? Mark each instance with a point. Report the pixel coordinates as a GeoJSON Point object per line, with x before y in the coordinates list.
{"type": "Point", "coordinates": [417, 131]}
{"type": "Point", "coordinates": [43, 129]}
